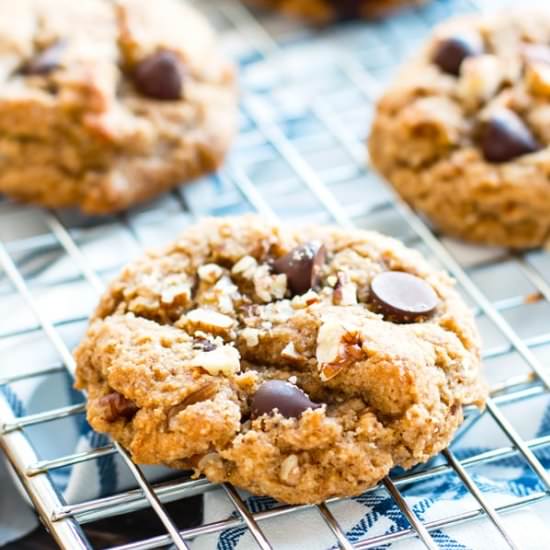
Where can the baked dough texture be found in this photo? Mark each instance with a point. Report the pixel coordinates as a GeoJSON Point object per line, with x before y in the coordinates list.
{"type": "Point", "coordinates": [184, 339]}
{"type": "Point", "coordinates": [463, 133]}
{"type": "Point", "coordinates": [74, 128]}
{"type": "Point", "coordinates": [326, 11]}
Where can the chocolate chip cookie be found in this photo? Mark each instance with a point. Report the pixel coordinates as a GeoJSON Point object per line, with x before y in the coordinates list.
{"type": "Point", "coordinates": [325, 11]}
{"type": "Point", "coordinates": [297, 364]}
{"type": "Point", "coordinates": [108, 103]}
{"type": "Point", "coordinates": [463, 134]}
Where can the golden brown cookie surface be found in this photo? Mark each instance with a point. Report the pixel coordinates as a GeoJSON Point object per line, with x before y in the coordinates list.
{"type": "Point", "coordinates": [298, 364]}
{"type": "Point", "coordinates": [107, 103]}
{"type": "Point", "coordinates": [463, 133]}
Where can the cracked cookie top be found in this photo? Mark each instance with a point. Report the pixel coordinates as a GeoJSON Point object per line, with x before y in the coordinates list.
{"type": "Point", "coordinates": [298, 364]}
{"type": "Point", "coordinates": [468, 120]}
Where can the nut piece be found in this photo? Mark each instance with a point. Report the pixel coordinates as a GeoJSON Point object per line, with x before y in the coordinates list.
{"type": "Point", "coordinates": [116, 406]}
{"type": "Point", "coordinates": [329, 340]}
{"type": "Point", "coordinates": [345, 292]}
{"type": "Point", "coordinates": [537, 78]}
{"type": "Point", "coordinates": [224, 360]}
{"type": "Point", "coordinates": [439, 118]}
{"type": "Point", "coordinates": [337, 348]}
{"type": "Point", "coordinates": [209, 321]}
{"type": "Point", "coordinates": [210, 273]}
{"type": "Point", "coordinates": [251, 337]}
{"type": "Point", "coordinates": [245, 267]}
{"type": "Point", "coordinates": [289, 352]}
{"type": "Point", "coordinates": [178, 294]}
{"type": "Point", "coordinates": [480, 79]}
{"type": "Point", "coordinates": [267, 286]}
{"type": "Point", "coordinates": [221, 296]}
{"type": "Point", "coordinates": [290, 470]}
{"type": "Point", "coordinates": [304, 300]}
{"type": "Point", "coordinates": [206, 392]}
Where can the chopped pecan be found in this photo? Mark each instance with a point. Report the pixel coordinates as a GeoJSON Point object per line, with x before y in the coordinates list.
{"type": "Point", "coordinates": [337, 348]}
{"type": "Point", "coordinates": [245, 267]}
{"type": "Point", "coordinates": [348, 353]}
{"type": "Point", "coordinates": [289, 352]}
{"type": "Point", "coordinates": [290, 470]}
{"type": "Point", "coordinates": [345, 292]}
{"type": "Point", "coordinates": [116, 406]}
{"type": "Point", "coordinates": [210, 273]}
{"type": "Point", "coordinates": [204, 393]}
{"type": "Point", "coordinates": [537, 78]}
{"type": "Point", "coordinates": [222, 360]}
{"type": "Point", "coordinates": [208, 320]}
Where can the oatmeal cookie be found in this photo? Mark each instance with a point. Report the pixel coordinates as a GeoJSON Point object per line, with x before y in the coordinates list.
{"type": "Point", "coordinates": [107, 103]}
{"type": "Point", "coordinates": [325, 11]}
{"type": "Point", "coordinates": [463, 133]}
{"type": "Point", "coordinates": [297, 364]}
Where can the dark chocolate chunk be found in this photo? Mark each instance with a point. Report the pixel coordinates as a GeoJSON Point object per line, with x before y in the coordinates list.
{"type": "Point", "coordinates": [401, 297]}
{"type": "Point", "coordinates": [287, 398]}
{"type": "Point", "coordinates": [45, 61]}
{"type": "Point", "coordinates": [451, 52]}
{"type": "Point", "coordinates": [347, 10]}
{"type": "Point", "coordinates": [160, 76]}
{"type": "Point", "coordinates": [116, 406]}
{"type": "Point", "coordinates": [302, 266]}
{"type": "Point", "coordinates": [505, 137]}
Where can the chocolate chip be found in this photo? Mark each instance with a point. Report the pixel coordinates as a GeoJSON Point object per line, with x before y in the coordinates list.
{"type": "Point", "coordinates": [302, 266]}
{"type": "Point", "coordinates": [347, 9]}
{"type": "Point", "coordinates": [116, 406]}
{"type": "Point", "coordinates": [287, 398]}
{"type": "Point", "coordinates": [45, 61]}
{"type": "Point", "coordinates": [401, 297]}
{"type": "Point", "coordinates": [453, 51]}
{"type": "Point", "coordinates": [160, 76]}
{"type": "Point", "coordinates": [504, 137]}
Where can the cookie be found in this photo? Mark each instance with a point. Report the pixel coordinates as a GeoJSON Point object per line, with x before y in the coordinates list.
{"type": "Point", "coordinates": [297, 364]}
{"type": "Point", "coordinates": [463, 132]}
{"type": "Point", "coordinates": [108, 103]}
{"type": "Point", "coordinates": [325, 11]}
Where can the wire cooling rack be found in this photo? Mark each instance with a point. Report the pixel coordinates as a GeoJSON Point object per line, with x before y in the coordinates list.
{"type": "Point", "coordinates": [307, 101]}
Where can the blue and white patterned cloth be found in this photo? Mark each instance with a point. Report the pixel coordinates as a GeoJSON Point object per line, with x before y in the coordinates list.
{"type": "Point", "coordinates": [81, 482]}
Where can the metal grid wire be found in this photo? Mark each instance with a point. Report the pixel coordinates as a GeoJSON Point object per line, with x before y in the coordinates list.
{"type": "Point", "coordinates": [307, 98]}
